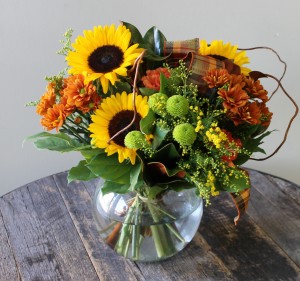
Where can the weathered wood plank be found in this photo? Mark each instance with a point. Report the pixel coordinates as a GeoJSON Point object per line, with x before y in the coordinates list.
{"type": "Point", "coordinates": [245, 249]}
{"type": "Point", "coordinates": [44, 240]}
{"type": "Point", "coordinates": [107, 264]}
{"type": "Point", "coordinates": [48, 228]}
{"type": "Point", "coordinates": [195, 262]}
{"type": "Point", "coordinates": [290, 189]}
{"type": "Point", "coordinates": [8, 267]}
{"type": "Point", "coordinates": [277, 213]}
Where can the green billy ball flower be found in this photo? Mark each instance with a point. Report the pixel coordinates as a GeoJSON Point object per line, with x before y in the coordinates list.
{"type": "Point", "coordinates": [177, 106]}
{"type": "Point", "coordinates": [157, 102]}
{"type": "Point", "coordinates": [184, 134]}
{"type": "Point", "coordinates": [135, 140]}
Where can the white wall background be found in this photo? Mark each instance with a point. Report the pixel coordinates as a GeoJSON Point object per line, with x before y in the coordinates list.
{"type": "Point", "coordinates": [30, 32]}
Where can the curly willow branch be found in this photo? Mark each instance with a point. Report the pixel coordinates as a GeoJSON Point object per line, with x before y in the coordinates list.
{"type": "Point", "coordinates": [285, 92]}
{"type": "Point", "coordinates": [291, 120]}
{"type": "Point", "coordinates": [279, 58]}
{"type": "Point", "coordinates": [137, 64]}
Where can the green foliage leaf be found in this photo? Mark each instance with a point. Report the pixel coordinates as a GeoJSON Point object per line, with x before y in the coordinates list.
{"type": "Point", "coordinates": [109, 168]}
{"type": "Point", "coordinates": [110, 186]}
{"type": "Point", "coordinates": [168, 152]}
{"type": "Point", "coordinates": [135, 177]}
{"type": "Point", "coordinates": [146, 124]}
{"type": "Point", "coordinates": [251, 145]}
{"type": "Point", "coordinates": [146, 91]}
{"type": "Point", "coordinates": [159, 136]}
{"type": "Point", "coordinates": [155, 190]}
{"type": "Point", "coordinates": [165, 85]}
{"type": "Point", "coordinates": [154, 38]}
{"type": "Point", "coordinates": [57, 142]}
{"type": "Point", "coordinates": [136, 36]}
{"type": "Point", "coordinates": [120, 87]}
{"type": "Point", "coordinates": [240, 183]}
{"type": "Point", "coordinates": [88, 154]}
{"type": "Point", "coordinates": [80, 172]}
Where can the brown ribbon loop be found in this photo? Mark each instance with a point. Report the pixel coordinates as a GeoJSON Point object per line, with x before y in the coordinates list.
{"type": "Point", "coordinates": [188, 51]}
{"type": "Point", "coordinates": [241, 200]}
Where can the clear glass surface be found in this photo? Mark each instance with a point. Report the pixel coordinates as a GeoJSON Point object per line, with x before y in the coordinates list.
{"type": "Point", "coordinates": [148, 230]}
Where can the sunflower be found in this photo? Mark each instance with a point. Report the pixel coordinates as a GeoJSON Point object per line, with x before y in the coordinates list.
{"type": "Point", "coordinates": [103, 53]}
{"type": "Point", "coordinates": [223, 51]}
{"type": "Point", "coordinates": [113, 114]}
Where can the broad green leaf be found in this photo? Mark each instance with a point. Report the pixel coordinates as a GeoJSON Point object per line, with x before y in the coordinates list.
{"type": "Point", "coordinates": [56, 142]}
{"type": "Point", "coordinates": [121, 87]}
{"type": "Point", "coordinates": [159, 136]}
{"type": "Point", "coordinates": [136, 36]}
{"type": "Point", "coordinates": [110, 186]}
{"type": "Point", "coordinates": [80, 172]}
{"type": "Point", "coordinates": [154, 38]}
{"type": "Point", "coordinates": [135, 176]}
{"type": "Point", "coordinates": [147, 91]}
{"type": "Point", "coordinates": [168, 152]}
{"type": "Point", "coordinates": [165, 85]}
{"type": "Point", "coordinates": [155, 190]}
{"type": "Point", "coordinates": [88, 154]}
{"type": "Point", "coordinates": [109, 168]}
{"type": "Point", "coordinates": [147, 123]}
{"type": "Point", "coordinates": [240, 183]}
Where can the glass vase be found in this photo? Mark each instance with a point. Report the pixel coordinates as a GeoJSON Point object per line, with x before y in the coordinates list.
{"type": "Point", "coordinates": [143, 229]}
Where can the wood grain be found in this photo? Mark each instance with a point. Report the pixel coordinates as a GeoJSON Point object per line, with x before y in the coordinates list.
{"type": "Point", "coordinates": [8, 266]}
{"type": "Point", "coordinates": [47, 232]}
{"type": "Point", "coordinates": [275, 210]}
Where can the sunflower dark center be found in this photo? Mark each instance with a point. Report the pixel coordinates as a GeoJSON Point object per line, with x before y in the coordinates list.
{"type": "Point", "coordinates": [120, 121]}
{"type": "Point", "coordinates": [105, 59]}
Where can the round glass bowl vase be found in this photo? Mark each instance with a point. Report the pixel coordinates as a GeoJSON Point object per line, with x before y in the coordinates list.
{"type": "Point", "coordinates": [142, 229]}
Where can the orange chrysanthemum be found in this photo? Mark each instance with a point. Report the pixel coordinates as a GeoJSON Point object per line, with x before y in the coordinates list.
{"type": "Point", "coordinates": [152, 78]}
{"type": "Point", "coordinates": [46, 101]}
{"type": "Point", "coordinates": [237, 80]}
{"type": "Point", "coordinates": [54, 118]}
{"type": "Point", "coordinates": [231, 145]}
{"type": "Point", "coordinates": [250, 113]}
{"type": "Point", "coordinates": [83, 97]}
{"type": "Point", "coordinates": [266, 115]}
{"type": "Point", "coordinates": [216, 77]}
{"type": "Point", "coordinates": [68, 107]}
{"type": "Point", "coordinates": [233, 98]}
{"type": "Point", "coordinates": [255, 89]}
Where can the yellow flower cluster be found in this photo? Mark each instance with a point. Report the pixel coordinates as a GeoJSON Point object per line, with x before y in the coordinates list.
{"type": "Point", "coordinates": [216, 136]}
{"type": "Point", "coordinates": [199, 126]}
{"type": "Point", "coordinates": [199, 117]}
{"type": "Point", "coordinates": [210, 183]}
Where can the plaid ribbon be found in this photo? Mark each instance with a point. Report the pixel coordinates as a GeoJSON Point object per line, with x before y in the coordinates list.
{"type": "Point", "coordinates": [188, 51]}
{"type": "Point", "coordinates": [241, 200]}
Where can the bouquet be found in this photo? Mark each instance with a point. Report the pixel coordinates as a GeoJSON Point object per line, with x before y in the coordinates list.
{"type": "Point", "coordinates": [149, 115]}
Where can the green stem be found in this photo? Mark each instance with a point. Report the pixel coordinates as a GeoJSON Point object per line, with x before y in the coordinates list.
{"type": "Point", "coordinates": [78, 125]}
{"type": "Point", "coordinates": [83, 117]}
{"type": "Point", "coordinates": [136, 231]}
{"type": "Point", "coordinates": [125, 231]}
{"type": "Point", "coordinates": [161, 236]}
{"type": "Point", "coordinates": [74, 133]}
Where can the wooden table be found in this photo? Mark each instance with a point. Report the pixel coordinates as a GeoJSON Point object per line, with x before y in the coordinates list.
{"type": "Point", "coordinates": [47, 233]}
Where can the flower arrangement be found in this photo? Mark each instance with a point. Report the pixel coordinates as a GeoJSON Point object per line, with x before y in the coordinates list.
{"type": "Point", "coordinates": [149, 115]}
